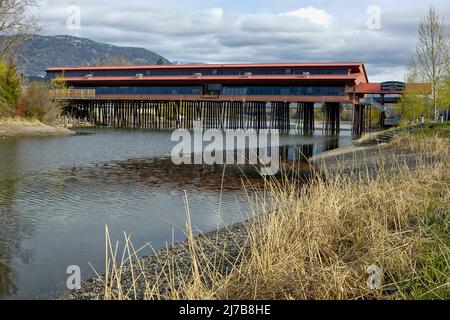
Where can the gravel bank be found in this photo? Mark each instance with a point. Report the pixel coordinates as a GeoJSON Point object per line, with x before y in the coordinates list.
{"type": "Point", "coordinates": [230, 241]}
{"type": "Point", "coordinates": [10, 130]}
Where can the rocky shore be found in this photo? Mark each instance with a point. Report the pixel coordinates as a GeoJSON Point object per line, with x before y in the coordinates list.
{"type": "Point", "coordinates": [23, 128]}
{"type": "Point", "coordinates": [229, 241]}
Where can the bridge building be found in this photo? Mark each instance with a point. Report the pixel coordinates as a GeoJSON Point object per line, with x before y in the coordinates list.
{"type": "Point", "coordinates": [260, 96]}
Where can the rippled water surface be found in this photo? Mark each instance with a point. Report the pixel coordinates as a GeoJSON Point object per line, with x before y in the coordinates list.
{"type": "Point", "coordinates": [57, 194]}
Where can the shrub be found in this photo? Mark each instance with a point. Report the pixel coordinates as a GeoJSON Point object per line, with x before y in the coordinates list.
{"type": "Point", "coordinates": [37, 103]}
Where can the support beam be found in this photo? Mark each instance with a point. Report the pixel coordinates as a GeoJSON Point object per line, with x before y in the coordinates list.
{"type": "Point", "coordinates": [359, 120]}
{"type": "Point", "coordinates": [331, 120]}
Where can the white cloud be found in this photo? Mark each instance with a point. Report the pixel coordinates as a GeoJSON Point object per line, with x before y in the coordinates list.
{"type": "Point", "coordinates": [316, 16]}
{"type": "Point", "coordinates": [215, 15]}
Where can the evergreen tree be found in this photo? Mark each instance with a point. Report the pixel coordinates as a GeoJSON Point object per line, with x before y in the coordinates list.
{"type": "Point", "coordinates": [10, 88]}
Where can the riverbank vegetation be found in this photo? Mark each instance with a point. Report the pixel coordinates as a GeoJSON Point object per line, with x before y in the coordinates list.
{"type": "Point", "coordinates": [371, 224]}
{"type": "Point", "coordinates": [37, 103]}
{"type": "Point", "coordinates": [27, 100]}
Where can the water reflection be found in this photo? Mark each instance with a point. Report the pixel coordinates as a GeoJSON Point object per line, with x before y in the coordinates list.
{"type": "Point", "coordinates": [13, 227]}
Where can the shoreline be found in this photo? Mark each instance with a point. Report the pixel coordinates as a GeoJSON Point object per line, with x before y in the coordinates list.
{"type": "Point", "coordinates": [362, 161]}
{"type": "Point", "coordinates": [232, 238]}
{"type": "Point", "coordinates": [21, 128]}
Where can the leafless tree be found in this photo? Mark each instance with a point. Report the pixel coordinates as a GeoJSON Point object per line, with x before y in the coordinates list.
{"type": "Point", "coordinates": [15, 24]}
{"type": "Point", "coordinates": [432, 52]}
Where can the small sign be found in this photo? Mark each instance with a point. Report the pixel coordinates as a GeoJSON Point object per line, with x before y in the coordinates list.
{"type": "Point", "coordinates": [393, 86]}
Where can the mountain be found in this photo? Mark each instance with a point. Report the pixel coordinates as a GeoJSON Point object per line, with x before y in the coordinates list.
{"type": "Point", "coordinates": [182, 62]}
{"type": "Point", "coordinates": [38, 53]}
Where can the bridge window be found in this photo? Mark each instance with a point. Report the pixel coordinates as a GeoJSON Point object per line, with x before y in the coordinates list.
{"type": "Point", "coordinates": [284, 90]}
{"type": "Point", "coordinates": [212, 89]}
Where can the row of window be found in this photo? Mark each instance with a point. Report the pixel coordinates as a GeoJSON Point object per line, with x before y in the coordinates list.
{"type": "Point", "coordinates": [283, 91]}
{"type": "Point", "coordinates": [224, 90]}
{"type": "Point", "coordinates": [181, 72]}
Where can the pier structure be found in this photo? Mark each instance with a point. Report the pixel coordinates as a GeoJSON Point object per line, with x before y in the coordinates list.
{"type": "Point", "coordinates": [282, 96]}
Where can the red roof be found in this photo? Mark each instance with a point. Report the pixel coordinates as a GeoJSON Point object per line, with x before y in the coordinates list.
{"type": "Point", "coordinates": [372, 88]}
{"type": "Point", "coordinates": [213, 78]}
{"type": "Point", "coordinates": [219, 66]}
{"type": "Point", "coordinates": [368, 88]}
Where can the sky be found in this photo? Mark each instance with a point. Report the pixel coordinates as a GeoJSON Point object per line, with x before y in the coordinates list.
{"type": "Point", "coordinates": [382, 33]}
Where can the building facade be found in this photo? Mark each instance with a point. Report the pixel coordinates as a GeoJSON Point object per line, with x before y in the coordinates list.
{"type": "Point", "coordinates": [260, 87]}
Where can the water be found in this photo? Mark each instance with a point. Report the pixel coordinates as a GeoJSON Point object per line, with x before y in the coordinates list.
{"type": "Point", "coordinates": [57, 194]}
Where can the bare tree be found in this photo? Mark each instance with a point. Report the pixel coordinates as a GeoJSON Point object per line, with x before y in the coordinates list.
{"type": "Point", "coordinates": [432, 52]}
{"type": "Point", "coordinates": [412, 103]}
{"type": "Point", "coordinates": [15, 24]}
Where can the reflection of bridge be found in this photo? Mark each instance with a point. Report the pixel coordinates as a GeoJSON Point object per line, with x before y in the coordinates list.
{"type": "Point", "coordinates": [239, 96]}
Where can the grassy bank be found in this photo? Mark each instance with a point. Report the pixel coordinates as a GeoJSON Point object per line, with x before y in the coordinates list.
{"type": "Point", "coordinates": [431, 129]}
{"type": "Point", "coordinates": [422, 130]}
{"type": "Point", "coordinates": [385, 208]}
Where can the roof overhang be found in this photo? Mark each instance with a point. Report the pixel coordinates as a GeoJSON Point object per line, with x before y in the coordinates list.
{"type": "Point", "coordinates": [218, 66]}
{"type": "Point", "coordinates": [376, 88]}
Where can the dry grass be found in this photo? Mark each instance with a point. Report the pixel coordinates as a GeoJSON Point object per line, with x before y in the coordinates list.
{"type": "Point", "coordinates": [321, 239]}
{"type": "Point", "coordinates": [20, 121]}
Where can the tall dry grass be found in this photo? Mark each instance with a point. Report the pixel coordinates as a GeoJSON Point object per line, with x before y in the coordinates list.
{"type": "Point", "coordinates": [319, 240]}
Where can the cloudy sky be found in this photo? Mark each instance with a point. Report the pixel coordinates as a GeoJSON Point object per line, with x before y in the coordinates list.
{"type": "Point", "coordinates": [252, 30]}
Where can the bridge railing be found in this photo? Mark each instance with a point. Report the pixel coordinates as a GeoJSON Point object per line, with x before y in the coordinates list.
{"type": "Point", "coordinates": [373, 103]}
{"type": "Point", "coordinates": [72, 94]}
